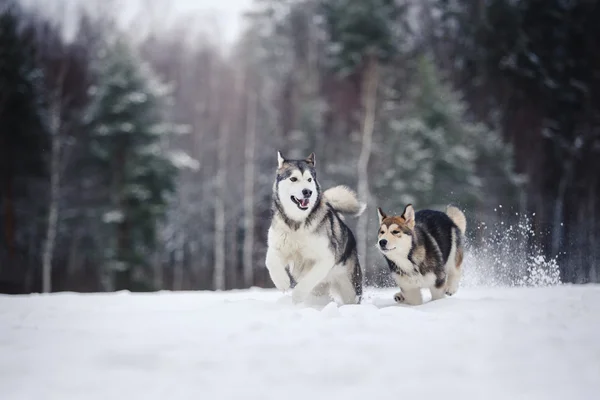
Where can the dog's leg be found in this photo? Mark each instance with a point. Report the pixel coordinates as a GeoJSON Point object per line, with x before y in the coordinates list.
{"type": "Point", "coordinates": [321, 289]}
{"type": "Point", "coordinates": [454, 266]}
{"type": "Point", "coordinates": [345, 289]}
{"type": "Point", "coordinates": [409, 294]}
{"type": "Point", "coordinates": [312, 278]}
{"type": "Point", "coordinates": [437, 293]}
{"type": "Point", "coordinates": [438, 289]}
{"type": "Point", "coordinates": [454, 276]}
{"type": "Point", "coordinates": [454, 272]}
{"type": "Point", "coordinates": [399, 297]}
{"type": "Point", "coordinates": [412, 296]}
{"type": "Point", "coordinates": [277, 271]}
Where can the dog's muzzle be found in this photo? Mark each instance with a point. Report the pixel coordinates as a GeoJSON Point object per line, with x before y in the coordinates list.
{"type": "Point", "coordinates": [302, 203]}
{"type": "Point", "coordinates": [383, 245]}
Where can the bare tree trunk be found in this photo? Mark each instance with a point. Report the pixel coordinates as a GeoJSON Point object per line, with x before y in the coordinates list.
{"type": "Point", "coordinates": [369, 92]}
{"type": "Point", "coordinates": [52, 216]}
{"type": "Point", "coordinates": [179, 260]}
{"type": "Point", "coordinates": [158, 276]}
{"type": "Point", "coordinates": [221, 180]}
{"type": "Point", "coordinates": [48, 251]}
{"type": "Point", "coordinates": [248, 251]}
{"type": "Point", "coordinates": [232, 103]}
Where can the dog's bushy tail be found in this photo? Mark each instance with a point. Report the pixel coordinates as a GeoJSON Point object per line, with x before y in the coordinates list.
{"type": "Point", "coordinates": [344, 200]}
{"type": "Point", "coordinates": [458, 217]}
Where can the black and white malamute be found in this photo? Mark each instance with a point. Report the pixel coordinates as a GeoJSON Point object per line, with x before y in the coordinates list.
{"type": "Point", "coordinates": [308, 236]}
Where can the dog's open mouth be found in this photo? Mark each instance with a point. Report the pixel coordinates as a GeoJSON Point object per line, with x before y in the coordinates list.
{"type": "Point", "coordinates": [386, 249]}
{"type": "Point", "coordinates": [301, 203]}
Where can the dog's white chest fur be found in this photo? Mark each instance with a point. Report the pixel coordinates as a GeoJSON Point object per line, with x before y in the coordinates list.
{"type": "Point", "coordinates": [298, 248]}
{"type": "Point", "coordinates": [290, 242]}
{"type": "Point", "coordinates": [411, 278]}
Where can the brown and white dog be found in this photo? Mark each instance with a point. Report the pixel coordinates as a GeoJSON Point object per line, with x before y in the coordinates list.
{"type": "Point", "coordinates": [423, 250]}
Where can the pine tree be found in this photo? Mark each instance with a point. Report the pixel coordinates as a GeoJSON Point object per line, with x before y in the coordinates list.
{"type": "Point", "coordinates": [23, 138]}
{"type": "Point", "coordinates": [362, 29]}
{"type": "Point", "coordinates": [451, 139]}
{"type": "Point", "coordinates": [364, 36]}
{"type": "Point", "coordinates": [126, 117]}
{"type": "Point", "coordinates": [433, 150]}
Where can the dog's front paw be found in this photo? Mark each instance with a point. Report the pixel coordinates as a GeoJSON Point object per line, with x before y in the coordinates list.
{"type": "Point", "coordinates": [451, 290]}
{"type": "Point", "coordinates": [280, 278]}
{"type": "Point", "coordinates": [399, 298]}
{"type": "Point", "coordinates": [278, 271]}
{"type": "Point", "coordinates": [411, 297]}
{"type": "Point", "coordinates": [452, 285]}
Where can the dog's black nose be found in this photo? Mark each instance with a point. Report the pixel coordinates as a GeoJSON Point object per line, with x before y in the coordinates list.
{"type": "Point", "coordinates": [306, 192]}
{"type": "Point", "coordinates": [382, 243]}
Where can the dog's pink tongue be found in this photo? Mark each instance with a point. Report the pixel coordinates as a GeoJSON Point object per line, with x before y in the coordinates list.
{"type": "Point", "coordinates": [304, 202]}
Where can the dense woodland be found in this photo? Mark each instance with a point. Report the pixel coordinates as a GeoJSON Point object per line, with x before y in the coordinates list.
{"type": "Point", "coordinates": [146, 161]}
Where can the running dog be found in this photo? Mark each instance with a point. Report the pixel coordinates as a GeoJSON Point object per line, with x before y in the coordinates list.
{"type": "Point", "coordinates": [423, 250]}
{"type": "Point", "coordinates": [308, 242]}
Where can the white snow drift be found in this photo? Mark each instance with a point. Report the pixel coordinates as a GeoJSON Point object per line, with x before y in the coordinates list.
{"type": "Point", "coordinates": [518, 343]}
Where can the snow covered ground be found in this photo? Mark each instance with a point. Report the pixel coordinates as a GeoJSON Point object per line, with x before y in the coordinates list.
{"type": "Point", "coordinates": [516, 343]}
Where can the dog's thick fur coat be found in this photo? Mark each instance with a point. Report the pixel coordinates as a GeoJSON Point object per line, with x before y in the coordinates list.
{"type": "Point", "coordinates": [423, 250]}
{"type": "Point", "coordinates": [308, 242]}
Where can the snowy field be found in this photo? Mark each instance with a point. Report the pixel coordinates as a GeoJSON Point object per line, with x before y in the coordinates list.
{"type": "Point", "coordinates": [481, 344]}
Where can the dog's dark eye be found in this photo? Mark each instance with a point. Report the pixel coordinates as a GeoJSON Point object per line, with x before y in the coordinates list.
{"type": "Point", "coordinates": [396, 232]}
{"type": "Point", "coordinates": [381, 232]}
{"type": "Point", "coordinates": [293, 179]}
{"type": "Point", "coordinates": [310, 179]}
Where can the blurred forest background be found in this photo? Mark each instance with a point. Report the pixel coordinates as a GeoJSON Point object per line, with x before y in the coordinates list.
{"type": "Point", "coordinates": [143, 159]}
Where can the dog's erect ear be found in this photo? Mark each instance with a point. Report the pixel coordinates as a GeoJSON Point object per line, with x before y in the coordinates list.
{"type": "Point", "coordinates": [311, 159]}
{"type": "Point", "coordinates": [280, 160]}
{"type": "Point", "coordinates": [409, 216]}
{"type": "Point", "coordinates": [381, 215]}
